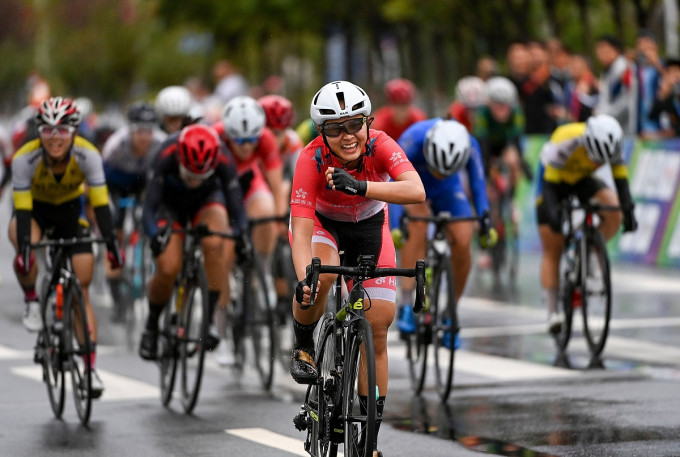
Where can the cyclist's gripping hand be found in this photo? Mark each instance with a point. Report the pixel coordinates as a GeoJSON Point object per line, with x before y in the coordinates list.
{"type": "Point", "coordinates": [303, 292]}
{"type": "Point", "coordinates": [340, 180]}
{"type": "Point", "coordinates": [24, 260]}
{"type": "Point", "coordinates": [116, 254]}
{"type": "Point", "coordinates": [629, 221]}
{"type": "Point", "coordinates": [487, 234]}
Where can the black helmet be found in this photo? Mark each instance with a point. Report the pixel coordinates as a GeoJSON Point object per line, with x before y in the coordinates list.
{"type": "Point", "coordinates": [142, 112]}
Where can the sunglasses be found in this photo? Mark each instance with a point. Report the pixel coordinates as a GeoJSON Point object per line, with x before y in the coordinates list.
{"type": "Point", "coordinates": [242, 141]}
{"type": "Point", "coordinates": [350, 126]}
{"type": "Point", "coordinates": [60, 131]}
{"type": "Point", "coordinates": [143, 127]}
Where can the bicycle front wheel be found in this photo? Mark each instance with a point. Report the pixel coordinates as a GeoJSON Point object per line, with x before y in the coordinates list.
{"type": "Point", "coordinates": [359, 419]}
{"type": "Point", "coordinates": [597, 293]}
{"type": "Point", "coordinates": [444, 326]}
{"type": "Point", "coordinates": [49, 352]}
{"type": "Point", "coordinates": [77, 336]}
{"type": "Point", "coordinates": [192, 333]}
{"type": "Point", "coordinates": [260, 322]}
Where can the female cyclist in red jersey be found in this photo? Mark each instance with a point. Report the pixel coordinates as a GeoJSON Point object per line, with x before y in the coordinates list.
{"type": "Point", "coordinates": [338, 203]}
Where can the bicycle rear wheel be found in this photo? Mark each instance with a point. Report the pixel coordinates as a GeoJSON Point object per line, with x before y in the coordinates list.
{"type": "Point", "coordinates": [596, 297]}
{"type": "Point", "coordinates": [445, 326]}
{"type": "Point", "coordinates": [260, 322]}
{"type": "Point", "coordinates": [168, 353]}
{"type": "Point", "coordinates": [192, 333]}
{"type": "Point", "coordinates": [77, 337]}
{"type": "Point", "coordinates": [359, 420]}
{"type": "Point", "coordinates": [49, 352]}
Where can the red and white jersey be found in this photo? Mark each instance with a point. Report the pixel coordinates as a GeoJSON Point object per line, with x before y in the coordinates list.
{"type": "Point", "coordinates": [384, 159]}
{"type": "Point", "coordinates": [384, 120]}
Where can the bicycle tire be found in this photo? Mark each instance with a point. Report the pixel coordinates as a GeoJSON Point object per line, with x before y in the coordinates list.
{"type": "Point", "coordinates": [49, 351]}
{"type": "Point", "coordinates": [168, 354]}
{"type": "Point", "coordinates": [444, 326]}
{"type": "Point", "coordinates": [78, 352]}
{"type": "Point", "coordinates": [596, 312]}
{"type": "Point", "coordinates": [565, 302]}
{"type": "Point", "coordinates": [318, 441]}
{"type": "Point", "coordinates": [193, 331]}
{"type": "Point", "coordinates": [260, 322]}
{"type": "Point", "coordinates": [359, 426]}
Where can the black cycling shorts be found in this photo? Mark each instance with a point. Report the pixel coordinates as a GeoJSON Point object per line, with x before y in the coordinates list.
{"type": "Point", "coordinates": [63, 221]}
{"type": "Point", "coordinates": [583, 190]}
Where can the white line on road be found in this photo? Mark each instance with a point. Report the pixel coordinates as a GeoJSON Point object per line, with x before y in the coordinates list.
{"type": "Point", "coordinates": [506, 369]}
{"type": "Point", "coordinates": [118, 388]}
{"type": "Point", "coordinates": [271, 439]}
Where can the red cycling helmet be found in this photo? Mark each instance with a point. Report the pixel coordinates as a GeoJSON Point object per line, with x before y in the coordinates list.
{"type": "Point", "coordinates": [400, 91]}
{"type": "Point", "coordinates": [279, 111]}
{"type": "Point", "coordinates": [199, 148]}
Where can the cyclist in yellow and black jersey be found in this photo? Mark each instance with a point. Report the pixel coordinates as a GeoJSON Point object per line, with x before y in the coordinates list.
{"type": "Point", "coordinates": [48, 177]}
{"type": "Point", "coordinates": [568, 161]}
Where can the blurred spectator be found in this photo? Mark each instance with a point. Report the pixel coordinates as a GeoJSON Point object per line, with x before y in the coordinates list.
{"type": "Point", "coordinates": [470, 95]}
{"type": "Point", "coordinates": [618, 85]}
{"type": "Point", "coordinates": [400, 112]}
{"type": "Point", "coordinates": [519, 63]}
{"type": "Point", "coordinates": [206, 106]}
{"type": "Point", "coordinates": [649, 70]}
{"type": "Point", "coordinates": [534, 92]}
{"type": "Point", "coordinates": [486, 67]}
{"type": "Point", "coordinates": [229, 82]}
{"type": "Point", "coordinates": [88, 122]}
{"type": "Point", "coordinates": [560, 78]}
{"type": "Point", "coordinates": [582, 89]}
{"type": "Point", "coordinates": [25, 128]}
{"type": "Point", "coordinates": [666, 107]}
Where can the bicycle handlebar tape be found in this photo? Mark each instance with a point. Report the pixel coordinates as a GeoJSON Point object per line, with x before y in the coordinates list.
{"type": "Point", "coordinates": [419, 302]}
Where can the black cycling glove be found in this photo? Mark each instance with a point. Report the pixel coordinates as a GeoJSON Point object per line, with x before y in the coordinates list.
{"type": "Point", "coordinates": [159, 241]}
{"type": "Point", "coordinates": [344, 182]}
{"type": "Point", "coordinates": [630, 223]}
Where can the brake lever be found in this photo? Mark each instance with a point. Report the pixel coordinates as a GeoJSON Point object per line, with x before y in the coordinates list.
{"type": "Point", "coordinates": [419, 302]}
{"type": "Point", "coordinates": [312, 279]}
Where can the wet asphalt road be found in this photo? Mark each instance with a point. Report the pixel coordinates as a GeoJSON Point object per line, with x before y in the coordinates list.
{"type": "Point", "coordinates": [509, 398]}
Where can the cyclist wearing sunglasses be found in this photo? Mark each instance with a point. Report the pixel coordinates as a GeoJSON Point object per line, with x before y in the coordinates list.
{"type": "Point", "coordinates": [259, 166]}
{"type": "Point", "coordinates": [341, 185]}
{"type": "Point", "coordinates": [129, 154]}
{"type": "Point", "coordinates": [439, 149]}
{"type": "Point", "coordinates": [48, 178]}
{"type": "Point", "coordinates": [193, 181]}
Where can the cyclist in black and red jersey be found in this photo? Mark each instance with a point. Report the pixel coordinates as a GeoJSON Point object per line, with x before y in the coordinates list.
{"type": "Point", "coordinates": [341, 184]}
{"type": "Point", "coordinates": [194, 181]}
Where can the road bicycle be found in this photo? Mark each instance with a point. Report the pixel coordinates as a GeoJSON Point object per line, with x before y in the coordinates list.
{"type": "Point", "coordinates": [331, 413]}
{"type": "Point", "coordinates": [129, 298]}
{"type": "Point", "coordinates": [437, 325]}
{"type": "Point", "coordinates": [251, 313]}
{"type": "Point", "coordinates": [505, 253]}
{"type": "Point", "coordinates": [184, 327]}
{"type": "Point", "coordinates": [584, 276]}
{"type": "Point", "coordinates": [64, 344]}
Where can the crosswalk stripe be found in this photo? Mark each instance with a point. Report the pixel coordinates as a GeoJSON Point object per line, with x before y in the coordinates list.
{"type": "Point", "coordinates": [271, 439]}
{"type": "Point", "coordinates": [7, 353]}
{"type": "Point", "coordinates": [118, 387]}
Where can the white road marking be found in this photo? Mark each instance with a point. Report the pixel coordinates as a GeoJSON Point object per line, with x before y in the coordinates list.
{"type": "Point", "coordinates": [271, 439]}
{"type": "Point", "coordinates": [118, 388]}
{"type": "Point", "coordinates": [506, 369]}
{"type": "Point", "coordinates": [7, 353]}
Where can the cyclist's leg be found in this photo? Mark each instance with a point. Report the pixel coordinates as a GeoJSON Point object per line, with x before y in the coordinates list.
{"type": "Point", "coordinates": [161, 285]}
{"type": "Point", "coordinates": [552, 244]}
{"type": "Point", "coordinates": [218, 259]}
{"type": "Point", "coordinates": [511, 158]}
{"type": "Point", "coordinates": [413, 249]}
{"type": "Point", "coordinates": [324, 246]}
{"type": "Point", "coordinates": [259, 202]}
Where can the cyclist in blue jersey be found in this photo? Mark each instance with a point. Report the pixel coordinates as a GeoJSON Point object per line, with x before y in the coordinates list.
{"type": "Point", "coordinates": [438, 149]}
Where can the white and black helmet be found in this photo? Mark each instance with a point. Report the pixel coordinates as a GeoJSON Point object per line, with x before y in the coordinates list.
{"type": "Point", "coordinates": [500, 89]}
{"type": "Point", "coordinates": [447, 147]}
{"type": "Point", "coordinates": [243, 117]}
{"type": "Point", "coordinates": [603, 138]}
{"type": "Point", "coordinates": [471, 91]}
{"type": "Point", "coordinates": [173, 101]}
{"type": "Point", "coordinates": [337, 100]}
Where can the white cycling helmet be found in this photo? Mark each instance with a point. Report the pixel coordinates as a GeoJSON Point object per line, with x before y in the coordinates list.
{"type": "Point", "coordinates": [173, 101]}
{"type": "Point", "coordinates": [603, 138]}
{"type": "Point", "coordinates": [500, 89]}
{"type": "Point", "coordinates": [243, 117]}
{"type": "Point", "coordinates": [339, 99]}
{"type": "Point", "coordinates": [471, 91]}
{"type": "Point", "coordinates": [447, 147]}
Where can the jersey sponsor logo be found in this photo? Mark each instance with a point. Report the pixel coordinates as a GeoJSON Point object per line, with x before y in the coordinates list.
{"type": "Point", "coordinates": [395, 156]}
{"type": "Point", "coordinates": [301, 194]}
{"type": "Point", "coordinates": [380, 281]}
{"type": "Point", "coordinates": [392, 281]}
